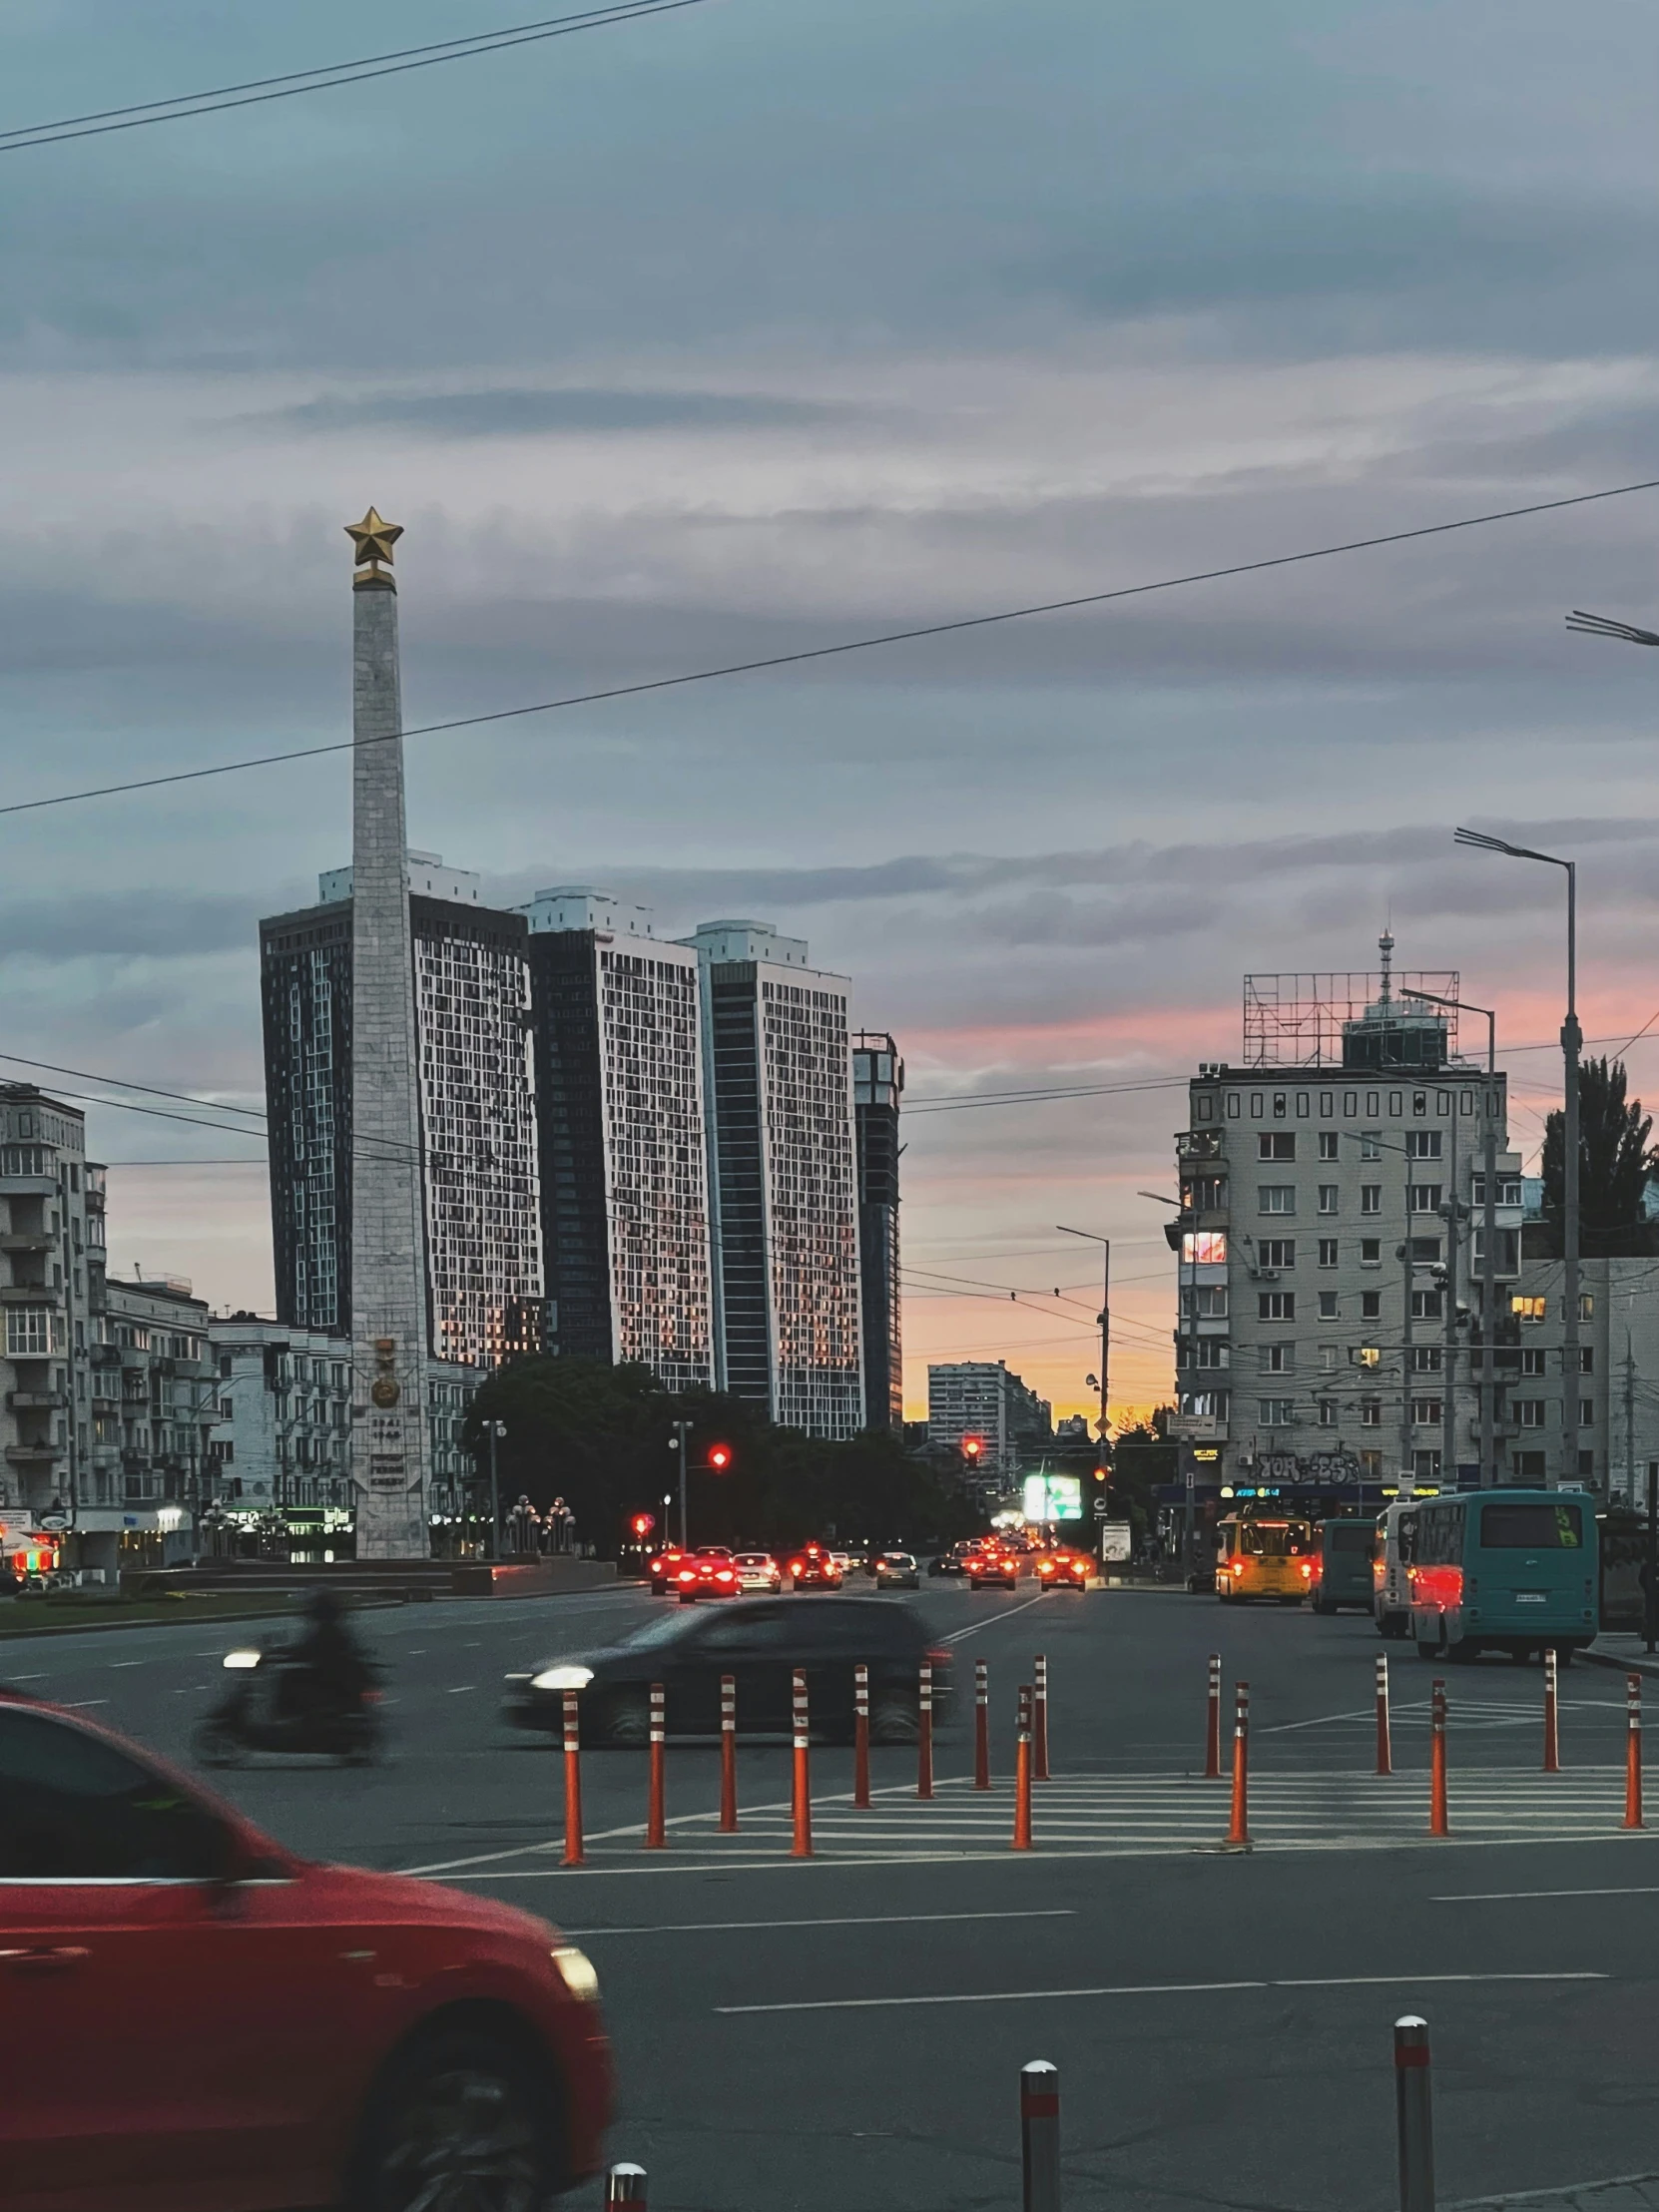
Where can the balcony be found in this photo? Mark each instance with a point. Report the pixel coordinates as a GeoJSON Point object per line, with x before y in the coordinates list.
{"type": "Point", "coordinates": [105, 1355]}
{"type": "Point", "coordinates": [27, 1240]}
{"type": "Point", "coordinates": [36, 1456]}
{"type": "Point", "coordinates": [29, 1294]}
{"type": "Point", "coordinates": [36, 1402]}
{"type": "Point", "coordinates": [28, 1185]}
{"type": "Point", "coordinates": [1198, 1144]}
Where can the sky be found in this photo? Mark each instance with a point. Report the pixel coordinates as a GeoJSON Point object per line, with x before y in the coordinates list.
{"type": "Point", "coordinates": [768, 323]}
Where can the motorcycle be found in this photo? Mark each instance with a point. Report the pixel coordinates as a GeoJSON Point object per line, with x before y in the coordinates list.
{"type": "Point", "coordinates": [265, 1708]}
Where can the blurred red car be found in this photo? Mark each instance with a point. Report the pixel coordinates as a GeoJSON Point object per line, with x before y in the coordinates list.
{"type": "Point", "coordinates": [710, 1572]}
{"type": "Point", "coordinates": [815, 1568]}
{"type": "Point", "coordinates": [992, 1569]}
{"type": "Point", "coordinates": [1064, 1570]}
{"type": "Point", "coordinates": [661, 1565]}
{"type": "Point", "coordinates": [216, 2025]}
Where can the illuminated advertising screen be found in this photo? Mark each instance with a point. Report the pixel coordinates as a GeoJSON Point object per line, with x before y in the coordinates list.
{"type": "Point", "coordinates": [1052, 1498]}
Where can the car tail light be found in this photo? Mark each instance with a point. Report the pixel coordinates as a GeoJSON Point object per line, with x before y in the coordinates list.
{"type": "Point", "coordinates": [1307, 1571]}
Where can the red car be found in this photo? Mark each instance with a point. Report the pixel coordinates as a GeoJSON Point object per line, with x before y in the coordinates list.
{"type": "Point", "coordinates": [987, 1568]}
{"type": "Point", "coordinates": [707, 1572]}
{"type": "Point", "coordinates": [1064, 1570]}
{"type": "Point", "coordinates": [216, 2025]}
{"type": "Point", "coordinates": [660, 1567]}
{"type": "Point", "coordinates": [815, 1568]}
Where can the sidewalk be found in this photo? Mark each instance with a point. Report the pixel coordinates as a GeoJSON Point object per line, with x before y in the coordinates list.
{"type": "Point", "coordinates": [1629, 2193]}
{"type": "Point", "coordinates": [1626, 1652]}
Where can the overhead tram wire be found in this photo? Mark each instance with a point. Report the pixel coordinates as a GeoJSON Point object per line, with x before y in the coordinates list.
{"type": "Point", "coordinates": [185, 106]}
{"type": "Point", "coordinates": [808, 653]}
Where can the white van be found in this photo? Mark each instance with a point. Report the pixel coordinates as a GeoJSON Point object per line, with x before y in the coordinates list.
{"type": "Point", "coordinates": [1396, 1549]}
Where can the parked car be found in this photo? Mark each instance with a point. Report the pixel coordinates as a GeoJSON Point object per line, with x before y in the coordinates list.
{"type": "Point", "coordinates": [218, 2026]}
{"type": "Point", "coordinates": [760, 1644]}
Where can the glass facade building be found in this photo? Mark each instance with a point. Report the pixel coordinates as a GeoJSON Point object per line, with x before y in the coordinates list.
{"type": "Point", "coordinates": [877, 1085]}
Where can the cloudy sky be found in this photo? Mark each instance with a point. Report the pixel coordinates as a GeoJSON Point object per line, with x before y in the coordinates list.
{"type": "Point", "coordinates": [771, 323]}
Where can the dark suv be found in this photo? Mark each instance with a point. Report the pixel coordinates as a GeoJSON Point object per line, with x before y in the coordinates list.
{"type": "Point", "coordinates": [760, 1646]}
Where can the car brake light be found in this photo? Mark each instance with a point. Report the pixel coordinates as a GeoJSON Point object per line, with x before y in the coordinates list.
{"type": "Point", "coordinates": [1307, 1570]}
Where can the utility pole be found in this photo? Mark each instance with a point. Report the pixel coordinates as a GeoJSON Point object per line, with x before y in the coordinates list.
{"type": "Point", "coordinates": [1449, 1356]}
{"type": "Point", "coordinates": [1629, 1423]}
{"type": "Point", "coordinates": [1105, 1244]}
{"type": "Point", "coordinates": [681, 1429]}
{"type": "Point", "coordinates": [494, 1429]}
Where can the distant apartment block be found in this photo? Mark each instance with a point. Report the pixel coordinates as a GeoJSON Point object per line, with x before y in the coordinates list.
{"type": "Point", "coordinates": [623, 1157]}
{"type": "Point", "coordinates": [982, 1399]}
{"type": "Point", "coordinates": [783, 1176]}
{"type": "Point", "coordinates": [471, 990]}
{"type": "Point", "coordinates": [877, 1086]}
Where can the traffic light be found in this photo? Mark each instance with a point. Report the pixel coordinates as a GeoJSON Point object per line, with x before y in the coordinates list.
{"type": "Point", "coordinates": [642, 1524]}
{"type": "Point", "coordinates": [720, 1458]}
{"type": "Point", "coordinates": [972, 1446]}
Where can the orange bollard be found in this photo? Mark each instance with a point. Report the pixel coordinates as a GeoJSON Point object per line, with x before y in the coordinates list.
{"type": "Point", "coordinates": [1212, 1723]}
{"type": "Point", "coordinates": [981, 1725]}
{"type": "Point", "coordinates": [728, 1754]}
{"type": "Point", "coordinates": [1022, 1775]}
{"type": "Point", "coordinates": [573, 1785]}
{"type": "Point", "coordinates": [925, 1733]}
{"type": "Point", "coordinates": [1039, 1718]}
{"type": "Point", "coordinates": [1385, 1736]}
{"type": "Point", "coordinates": [656, 1828]}
{"type": "Point", "coordinates": [860, 1735]}
{"type": "Point", "coordinates": [1437, 1822]}
{"type": "Point", "coordinates": [802, 1848]}
{"type": "Point", "coordinates": [1238, 1828]}
{"type": "Point", "coordinates": [1552, 1739]}
{"type": "Point", "coordinates": [1633, 1751]}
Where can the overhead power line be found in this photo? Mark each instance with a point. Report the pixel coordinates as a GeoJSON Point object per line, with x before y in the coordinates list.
{"type": "Point", "coordinates": [259, 89]}
{"type": "Point", "coordinates": [847, 645]}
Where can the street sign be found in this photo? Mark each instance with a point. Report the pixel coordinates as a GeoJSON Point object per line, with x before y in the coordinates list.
{"type": "Point", "coordinates": [1116, 1541]}
{"type": "Point", "coordinates": [1101, 1508]}
{"type": "Point", "coordinates": [53, 1525]}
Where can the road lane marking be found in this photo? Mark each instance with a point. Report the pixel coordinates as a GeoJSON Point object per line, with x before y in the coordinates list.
{"type": "Point", "coordinates": [1145, 1990]}
{"type": "Point", "coordinates": [956, 1635]}
{"type": "Point", "coordinates": [1504, 1897]}
{"type": "Point", "coordinates": [858, 1920]}
{"type": "Point", "coordinates": [26, 1678]}
{"type": "Point", "coordinates": [129, 1662]}
{"type": "Point", "coordinates": [460, 1689]}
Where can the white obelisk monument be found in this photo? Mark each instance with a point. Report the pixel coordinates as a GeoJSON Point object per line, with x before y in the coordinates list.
{"type": "Point", "coordinates": [388, 1232]}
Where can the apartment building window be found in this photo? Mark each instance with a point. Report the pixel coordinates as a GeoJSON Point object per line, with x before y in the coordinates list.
{"type": "Point", "coordinates": [1530, 1308]}
{"type": "Point", "coordinates": [1426, 1412]}
{"type": "Point", "coordinates": [1425, 1358]}
{"type": "Point", "coordinates": [1370, 1413]}
{"type": "Point", "coordinates": [1586, 1359]}
{"type": "Point", "coordinates": [1327, 1305]}
{"type": "Point", "coordinates": [1205, 1194]}
{"type": "Point", "coordinates": [1423, 1197]}
{"type": "Point", "coordinates": [1426, 1466]}
{"type": "Point", "coordinates": [1205, 1301]}
{"type": "Point", "coordinates": [1425, 1304]}
{"type": "Point", "coordinates": [1276, 1252]}
{"type": "Point", "coordinates": [1204, 1248]}
{"type": "Point", "coordinates": [1423, 1144]}
{"type": "Point", "coordinates": [1329, 1199]}
{"type": "Point", "coordinates": [1277, 1359]}
{"type": "Point", "coordinates": [1506, 1251]}
{"type": "Point", "coordinates": [1508, 1189]}
{"type": "Point", "coordinates": [1587, 1306]}
{"type": "Point", "coordinates": [1586, 1412]}
{"type": "Point", "coordinates": [1425, 1252]}
{"type": "Point", "coordinates": [1328, 1252]}
{"type": "Point", "coordinates": [1370, 1198]}
{"type": "Point", "coordinates": [1328, 1143]}
{"type": "Point", "coordinates": [30, 1334]}
{"type": "Point", "coordinates": [1276, 1143]}
{"type": "Point", "coordinates": [1370, 1144]}
{"type": "Point", "coordinates": [1532, 1359]}
{"type": "Point", "coordinates": [1371, 1305]}
{"type": "Point", "coordinates": [1328, 1412]}
{"type": "Point", "coordinates": [1276, 1305]}
{"type": "Point", "coordinates": [1275, 1197]}
{"type": "Point", "coordinates": [1529, 1413]}
{"type": "Point", "coordinates": [1370, 1252]}
{"type": "Point", "coordinates": [1278, 1412]}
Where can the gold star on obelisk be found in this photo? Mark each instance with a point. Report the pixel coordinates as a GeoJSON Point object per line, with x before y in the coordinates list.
{"type": "Point", "coordinates": [372, 538]}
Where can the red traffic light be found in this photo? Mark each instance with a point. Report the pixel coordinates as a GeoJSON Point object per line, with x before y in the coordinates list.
{"type": "Point", "coordinates": [720, 1458]}
{"type": "Point", "coordinates": [972, 1446]}
{"type": "Point", "coordinates": [643, 1523]}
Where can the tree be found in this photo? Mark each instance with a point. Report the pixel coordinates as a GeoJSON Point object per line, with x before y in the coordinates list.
{"type": "Point", "coordinates": [1614, 1163]}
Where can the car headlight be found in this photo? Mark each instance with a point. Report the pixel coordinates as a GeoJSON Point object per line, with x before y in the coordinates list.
{"type": "Point", "coordinates": [575, 1971]}
{"type": "Point", "coordinates": [239, 1660]}
{"type": "Point", "coordinates": [562, 1678]}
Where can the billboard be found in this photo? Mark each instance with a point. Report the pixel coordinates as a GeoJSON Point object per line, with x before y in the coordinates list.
{"type": "Point", "coordinates": [1050, 1498]}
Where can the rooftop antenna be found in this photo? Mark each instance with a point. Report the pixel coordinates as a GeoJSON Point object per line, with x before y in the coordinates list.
{"type": "Point", "coordinates": [1385, 945]}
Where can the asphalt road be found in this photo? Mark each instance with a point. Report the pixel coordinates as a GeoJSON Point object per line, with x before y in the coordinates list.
{"type": "Point", "coordinates": [850, 2029]}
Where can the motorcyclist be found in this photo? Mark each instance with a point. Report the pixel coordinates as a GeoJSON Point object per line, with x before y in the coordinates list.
{"type": "Point", "coordinates": [328, 1671]}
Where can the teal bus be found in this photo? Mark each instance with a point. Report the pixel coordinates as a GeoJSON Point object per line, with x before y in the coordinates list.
{"type": "Point", "coordinates": [1512, 1571]}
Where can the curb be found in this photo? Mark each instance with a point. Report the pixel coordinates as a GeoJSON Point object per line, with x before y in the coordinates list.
{"type": "Point", "coordinates": [1637, 1662]}
{"type": "Point", "coordinates": [184, 1620]}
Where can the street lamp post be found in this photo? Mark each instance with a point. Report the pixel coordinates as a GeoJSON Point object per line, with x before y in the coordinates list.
{"type": "Point", "coordinates": [681, 1429]}
{"type": "Point", "coordinates": [1572, 1038]}
{"type": "Point", "coordinates": [494, 1429]}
